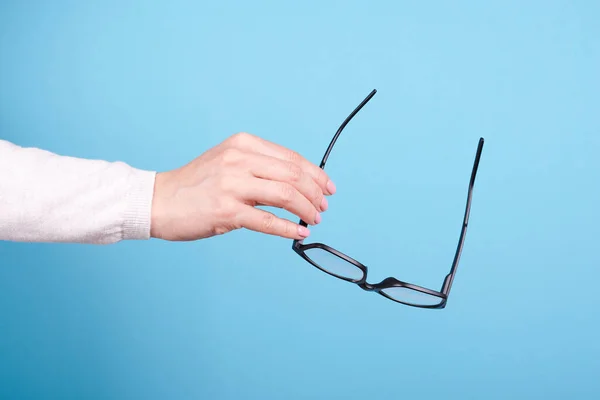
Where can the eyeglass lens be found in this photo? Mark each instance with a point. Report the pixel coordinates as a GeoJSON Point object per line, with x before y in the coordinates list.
{"type": "Point", "coordinates": [333, 264]}
{"type": "Point", "coordinates": [411, 296]}
{"type": "Point", "coordinates": [341, 268]}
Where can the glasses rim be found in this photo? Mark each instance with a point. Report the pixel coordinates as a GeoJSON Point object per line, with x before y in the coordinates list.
{"type": "Point", "coordinates": [387, 283]}
{"type": "Point", "coordinates": [299, 246]}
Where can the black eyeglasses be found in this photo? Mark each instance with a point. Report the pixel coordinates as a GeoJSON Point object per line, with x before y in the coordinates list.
{"type": "Point", "coordinates": [337, 264]}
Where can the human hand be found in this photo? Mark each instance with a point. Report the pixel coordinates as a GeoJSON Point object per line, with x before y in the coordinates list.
{"type": "Point", "coordinates": [218, 191]}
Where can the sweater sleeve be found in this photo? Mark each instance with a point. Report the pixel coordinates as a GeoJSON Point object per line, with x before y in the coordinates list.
{"type": "Point", "coordinates": [45, 197]}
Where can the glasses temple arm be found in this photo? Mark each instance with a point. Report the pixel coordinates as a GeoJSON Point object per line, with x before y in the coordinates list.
{"type": "Point", "coordinates": [450, 277]}
{"type": "Point", "coordinates": [341, 128]}
{"type": "Point", "coordinates": [337, 135]}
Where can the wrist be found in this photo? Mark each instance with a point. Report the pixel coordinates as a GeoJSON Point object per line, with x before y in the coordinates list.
{"type": "Point", "coordinates": [158, 214]}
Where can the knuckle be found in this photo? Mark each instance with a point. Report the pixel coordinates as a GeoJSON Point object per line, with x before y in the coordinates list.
{"type": "Point", "coordinates": [295, 172]}
{"type": "Point", "coordinates": [268, 222]}
{"type": "Point", "coordinates": [322, 177]}
{"type": "Point", "coordinates": [225, 209]}
{"type": "Point", "coordinates": [318, 196]}
{"type": "Point", "coordinates": [286, 193]}
{"type": "Point", "coordinates": [231, 156]}
{"type": "Point", "coordinates": [227, 186]}
{"type": "Point", "coordinates": [219, 230]}
{"type": "Point", "coordinates": [240, 138]}
{"type": "Point", "coordinates": [294, 156]}
{"type": "Point", "coordinates": [287, 229]}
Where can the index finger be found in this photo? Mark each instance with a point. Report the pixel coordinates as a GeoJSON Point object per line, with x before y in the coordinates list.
{"type": "Point", "coordinates": [262, 146]}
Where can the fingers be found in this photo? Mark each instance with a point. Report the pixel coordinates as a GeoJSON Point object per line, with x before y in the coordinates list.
{"type": "Point", "coordinates": [253, 143]}
{"type": "Point", "coordinates": [265, 222]}
{"type": "Point", "coordinates": [281, 195]}
{"type": "Point", "coordinates": [286, 171]}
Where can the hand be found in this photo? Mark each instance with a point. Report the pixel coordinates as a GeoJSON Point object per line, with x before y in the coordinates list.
{"type": "Point", "coordinates": [218, 191]}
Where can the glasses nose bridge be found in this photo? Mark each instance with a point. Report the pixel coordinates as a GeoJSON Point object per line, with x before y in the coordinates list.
{"type": "Point", "coordinates": [364, 285]}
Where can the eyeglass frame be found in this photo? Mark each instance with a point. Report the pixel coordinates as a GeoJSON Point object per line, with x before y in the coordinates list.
{"type": "Point", "coordinates": [299, 247]}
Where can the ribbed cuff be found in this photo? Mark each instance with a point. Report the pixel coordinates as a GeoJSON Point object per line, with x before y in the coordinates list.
{"type": "Point", "coordinates": [138, 212]}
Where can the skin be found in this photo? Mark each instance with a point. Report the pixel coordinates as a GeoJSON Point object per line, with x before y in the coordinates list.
{"type": "Point", "coordinates": [218, 192]}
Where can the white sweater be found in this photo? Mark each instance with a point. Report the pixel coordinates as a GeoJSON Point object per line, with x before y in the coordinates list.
{"type": "Point", "coordinates": [45, 197]}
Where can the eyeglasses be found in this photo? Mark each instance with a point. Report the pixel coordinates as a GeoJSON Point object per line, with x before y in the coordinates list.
{"type": "Point", "coordinates": [338, 264]}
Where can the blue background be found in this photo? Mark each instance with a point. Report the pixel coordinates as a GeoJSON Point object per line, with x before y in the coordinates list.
{"type": "Point", "coordinates": [241, 316]}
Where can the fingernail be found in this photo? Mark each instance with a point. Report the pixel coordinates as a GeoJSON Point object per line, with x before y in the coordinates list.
{"type": "Point", "coordinates": [331, 187]}
{"type": "Point", "coordinates": [303, 231]}
{"type": "Point", "coordinates": [317, 218]}
{"type": "Point", "coordinates": [324, 204]}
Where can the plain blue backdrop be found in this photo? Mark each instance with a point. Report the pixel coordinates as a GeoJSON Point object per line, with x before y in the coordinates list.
{"type": "Point", "coordinates": [241, 316]}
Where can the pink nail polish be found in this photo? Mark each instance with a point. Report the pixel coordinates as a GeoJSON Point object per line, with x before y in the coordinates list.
{"type": "Point", "coordinates": [317, 218]}
{"type": "Point", "coordinates": [324, 204]}
{"type": "Point", "coordinates": [303, 231]}
{"type": "Point", "coordinates": [331, 187]}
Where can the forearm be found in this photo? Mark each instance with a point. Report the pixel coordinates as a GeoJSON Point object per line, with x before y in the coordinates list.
{"type": "Point", "coordinates": [45, 197]}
